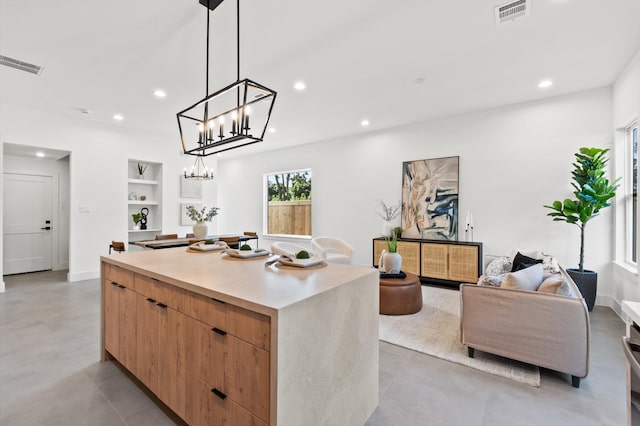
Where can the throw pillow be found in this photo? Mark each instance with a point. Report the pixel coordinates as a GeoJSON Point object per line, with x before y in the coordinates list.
{"type": "Point", "coordinates": [491, 280]}
{"type": "Point", "coordinates": [499, 266]}
{"type": "Point", "coordinates": [549, 263]}
{"type": "Point", "coordinates": [555, 284]}
{"type": "Point", "coordinates": [520, 258]}
{"type": "Point", "coordinates": [535, 254]}
{"type": "Point", "coordinates": [524, 279]}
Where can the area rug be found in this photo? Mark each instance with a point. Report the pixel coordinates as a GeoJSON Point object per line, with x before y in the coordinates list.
{"type": "Point", "coordinates": [435, 331]}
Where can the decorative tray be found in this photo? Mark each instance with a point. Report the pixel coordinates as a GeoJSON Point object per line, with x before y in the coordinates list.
{"type": "Point", "coordinates": [246, 254]}
{"type": "Point", "coordinates": [301, 263]}
{"type": "Point", "coordinates": [201, 246]}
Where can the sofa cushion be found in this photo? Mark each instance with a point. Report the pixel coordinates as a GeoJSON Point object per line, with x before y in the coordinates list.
{"type": "Point", "coordinates": [520, 258]}
{"type": "Point", "coordinates": [555, 284]}
{"type": "Point", "coordinates": [524, 279]}
{"type": "Point", "coordinates": [491, 280]}
{"type": "Point", "coordinates": [499, 266]}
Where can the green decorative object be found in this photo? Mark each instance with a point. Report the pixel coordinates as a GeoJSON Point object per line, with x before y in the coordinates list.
{"type": "Point", "coordinates": [392, 242]}
{"type": "Point", "coordinates": [302, 254]}
{"type": "Point", "coordinates": [592, 193]}
{"type": "Point", "coordinates": [136, 218]}
{"type": "Point", "coordinates": [245, 247]}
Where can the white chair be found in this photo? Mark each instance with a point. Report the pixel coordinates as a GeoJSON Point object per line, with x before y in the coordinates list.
{"type": "Point", "coordinates": [287, 249]}
{"type": "Point", "coordinates": [333, 249]}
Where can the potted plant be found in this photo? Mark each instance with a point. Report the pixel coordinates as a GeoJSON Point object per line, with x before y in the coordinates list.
{"type": "Point", "coordinates": [592, 193]}
{"type": "Point", "coordinates": [388, 213]}
{"type": "Point", "coordinates": [200, 229]}
{"type": "Point", "coordinates": [136, 221]}
{"type": "Point", "coordinates": [390, 260]}
{"type": "Point", "coordinates": [141, 169]}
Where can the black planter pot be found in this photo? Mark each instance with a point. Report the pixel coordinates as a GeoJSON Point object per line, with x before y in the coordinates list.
{"type": "Point", "coordinates": [587, 283]}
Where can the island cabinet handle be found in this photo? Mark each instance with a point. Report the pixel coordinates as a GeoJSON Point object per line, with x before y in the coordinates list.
{"type": "Point", "coordinates": [219, 301]}
{"type": "Point", "coordinates": [121, 286]}
{"type": "Point", "coordinates": [220, 332]}
{"type": "Point", "coordinates": [162, 305]}
{"type": "Point", "coordinates": [114, 283]}
{"type": "Point", "coordinates": [150, 300]}
{"type": "Point", "coordinates": [218, 393]}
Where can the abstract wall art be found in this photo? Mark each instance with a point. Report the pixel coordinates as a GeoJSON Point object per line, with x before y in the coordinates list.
{"type": "Point", "coordinates": [430, 199]}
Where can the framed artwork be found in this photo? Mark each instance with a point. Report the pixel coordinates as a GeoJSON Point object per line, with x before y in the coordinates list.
{"type": "Point", "coordinates": [184, 218]}
{"type": "Point", "coordinates": [430, 199]}
{"type": "Point", "coordinates": [190, 188]}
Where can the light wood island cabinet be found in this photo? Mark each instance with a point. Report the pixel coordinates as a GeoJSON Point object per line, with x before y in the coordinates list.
{"type": "Point", "coordinates": [238, 343]}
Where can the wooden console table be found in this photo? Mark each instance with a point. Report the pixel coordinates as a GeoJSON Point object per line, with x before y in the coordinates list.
{"type": "Point", "coordinates": [445, 262]}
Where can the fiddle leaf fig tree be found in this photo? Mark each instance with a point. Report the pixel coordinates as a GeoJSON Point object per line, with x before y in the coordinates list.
{"type": "Point", "coordinates": [592, 192]}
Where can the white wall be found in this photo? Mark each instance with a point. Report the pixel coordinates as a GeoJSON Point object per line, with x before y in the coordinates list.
{"type": "Point", "coordinates": [60, 220]}
{"type": "Point", "coordinates": [98, 176]}
{"type": "Point", "coordinates": [626, 108]}
{"type": "Point", "coordinates": [513, 160]}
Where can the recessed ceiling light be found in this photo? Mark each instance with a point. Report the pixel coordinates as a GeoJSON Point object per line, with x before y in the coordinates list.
{"type": "Point", "coordinates": [40, 154]}
{"type": "Point", "coordinates": [84, 111]}
{"type": "Point", "coordinates": [364, 123]}
{"type": "Point", "coordinates": [159, 93]}
{"type": "Point", "coordinates": [272, 130]}
{"type": "Point", "coordinates": [118, 117]}
{"type": "Point", "coordinates": [419, 80]}
{"type": "Point", "coordinates": [545, 83]}
{"type": "Point", "coordinates": [299, 85]}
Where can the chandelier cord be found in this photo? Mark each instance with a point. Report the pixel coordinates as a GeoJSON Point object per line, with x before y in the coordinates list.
{"type": "Point", "coordinates": [238, 49]}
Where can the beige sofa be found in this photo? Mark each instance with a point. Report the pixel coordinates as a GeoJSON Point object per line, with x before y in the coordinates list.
{"type": "Point", "coordinates": [547, 330]}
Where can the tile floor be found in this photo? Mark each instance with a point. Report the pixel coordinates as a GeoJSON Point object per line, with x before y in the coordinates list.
{"type": "Point", "coordinates": [50, 373]}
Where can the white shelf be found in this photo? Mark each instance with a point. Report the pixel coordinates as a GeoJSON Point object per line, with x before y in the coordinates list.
{"type": "Point", "coordinates": [132, 231]}
{"type": "Point", "coordinates": [143, 181]}
{"type": "Point", "coordinates": [142, 203]}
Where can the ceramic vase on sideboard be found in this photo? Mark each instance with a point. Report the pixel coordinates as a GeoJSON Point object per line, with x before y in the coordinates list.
{"type": "Point", "coordinates": [200, 230]}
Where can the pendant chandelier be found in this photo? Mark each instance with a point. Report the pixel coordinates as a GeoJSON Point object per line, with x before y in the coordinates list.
{"type": "Point", "coordinates": [234, 116]}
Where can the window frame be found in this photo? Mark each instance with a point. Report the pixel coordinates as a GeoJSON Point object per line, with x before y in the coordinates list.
{"type": "Point", "coordinates": [630, 196]}
{"type": "Point", "coordinates": [265, 203]}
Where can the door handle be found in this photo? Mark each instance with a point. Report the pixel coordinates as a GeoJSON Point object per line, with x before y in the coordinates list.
{"type": "Point", "coordinates": [48, 228]}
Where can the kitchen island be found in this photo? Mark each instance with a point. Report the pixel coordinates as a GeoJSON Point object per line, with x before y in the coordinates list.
{"type": "Point", "coordinates": [220, 339]}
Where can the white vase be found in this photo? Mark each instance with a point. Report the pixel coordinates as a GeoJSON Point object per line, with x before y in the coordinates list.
{"type": "Point", "coordinates": [200, 230]}
{"type": "Point", "coordinates": [391, 263]}
{"type": "Point", "coordinates": [136, 227]}
{"type": "Point", "coordinates": [387, 229]}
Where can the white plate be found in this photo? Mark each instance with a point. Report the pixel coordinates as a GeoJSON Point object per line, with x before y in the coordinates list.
{"type": "Point", "coordinates": [201, 246]}
{"type": "Point", "coordinates": [245, 254]}
{"type": "Point", "coordinates": [302, 263]}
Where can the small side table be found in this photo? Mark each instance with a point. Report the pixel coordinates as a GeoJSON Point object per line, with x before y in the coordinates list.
{"type": "Point", "coordinates": [400, 296]}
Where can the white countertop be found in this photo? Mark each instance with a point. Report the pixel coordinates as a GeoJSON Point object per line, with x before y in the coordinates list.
{"type": "Point", "coordinates": [238, 280]}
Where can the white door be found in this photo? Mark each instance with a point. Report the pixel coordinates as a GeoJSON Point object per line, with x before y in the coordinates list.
{"type": "Point", "coordinates": [27, 223]}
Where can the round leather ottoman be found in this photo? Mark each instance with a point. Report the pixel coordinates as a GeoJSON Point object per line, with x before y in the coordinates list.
{"type": "Point", "coordinates": [400, 296]}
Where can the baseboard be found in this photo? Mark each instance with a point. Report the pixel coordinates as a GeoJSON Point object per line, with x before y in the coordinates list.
{"type": "Point", "coordinates": [81, 276]}
{"type": "Point", "coordinates": [612, 303]}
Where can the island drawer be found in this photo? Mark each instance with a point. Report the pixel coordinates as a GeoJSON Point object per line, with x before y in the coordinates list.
{"type": "Point", "coordinates": [237, 369]}
{"type": "Point", "coordinates": [118, 275]}
{"type": "Point", "coordinates": [205, 407]}
{"type": "Point", "coordinates": [166, 294]}
{"type": "Point", "coordinates": [242, 323]}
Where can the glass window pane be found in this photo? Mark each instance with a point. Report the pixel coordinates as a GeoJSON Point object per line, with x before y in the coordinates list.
{"type": "Point", "coordinates": [288, 204]}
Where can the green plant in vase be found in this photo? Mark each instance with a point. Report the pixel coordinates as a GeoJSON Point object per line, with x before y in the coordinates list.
{"type": "Point", "coordinates": [390, 260]}
{"type": "Point", "coordinates": [592, 194]}
{"type": "Point", "coordinates": [137, 217]}
{"type": "Point", "coordinates": [141, 169]}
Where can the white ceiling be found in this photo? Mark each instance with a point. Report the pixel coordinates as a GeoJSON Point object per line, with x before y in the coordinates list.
{"type": "Point", "coordinates": [359, 58]}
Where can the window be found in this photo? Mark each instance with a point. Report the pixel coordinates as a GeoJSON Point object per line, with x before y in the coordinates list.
{"type": "Point", "coordinates": [288, 203]}
{"type": "Point", "coordinates": [631, 191]}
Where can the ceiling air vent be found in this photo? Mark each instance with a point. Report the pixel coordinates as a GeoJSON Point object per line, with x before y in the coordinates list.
{"type": "Point", "coordinates": [20, 65]}
{"type": "Point", "coordinates": [512, 10]}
